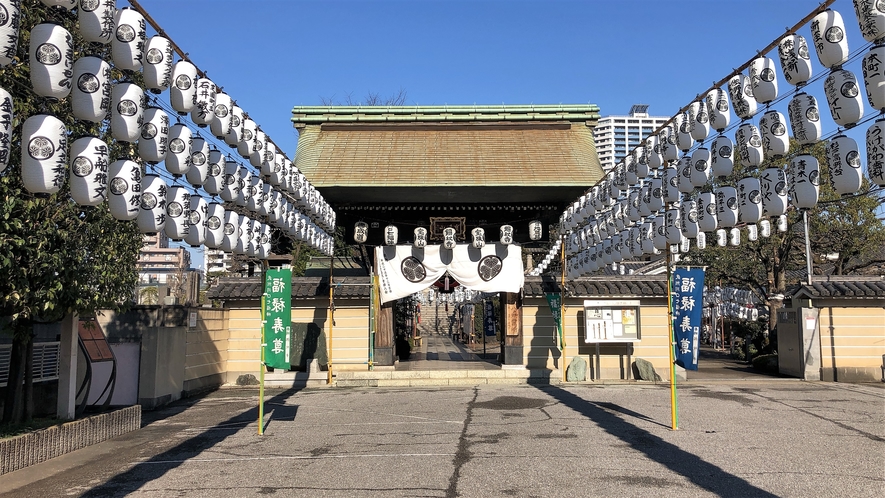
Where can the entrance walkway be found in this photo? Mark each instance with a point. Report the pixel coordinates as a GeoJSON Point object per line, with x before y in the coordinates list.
{"type": "Point", "coordinates": [439, 351]}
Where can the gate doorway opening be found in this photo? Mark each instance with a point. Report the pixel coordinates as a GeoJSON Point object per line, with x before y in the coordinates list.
{"type": "Point", "coordinates": [436, 333]}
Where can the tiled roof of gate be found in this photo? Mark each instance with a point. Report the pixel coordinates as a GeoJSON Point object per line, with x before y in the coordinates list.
{"type": "Point", "coordinates": [247, 289]}
{"type": "Point", "coordinates": [477, 146]}
{"type": "Point", "coordinates": [846, 287]}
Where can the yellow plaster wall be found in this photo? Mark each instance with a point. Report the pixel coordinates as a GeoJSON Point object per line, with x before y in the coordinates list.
{"type": "Point", "coordinates": [540, 344]}
{"type": "Point", "coordinates": [852, 336]}
{"type": "Point", "coordinates": [206, 351]}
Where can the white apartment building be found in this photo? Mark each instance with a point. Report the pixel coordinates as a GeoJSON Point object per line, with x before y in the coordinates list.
{"type": "Point", "coordinates": [616, 136]}
{"type": "Point", "coordinates": [216, 261]}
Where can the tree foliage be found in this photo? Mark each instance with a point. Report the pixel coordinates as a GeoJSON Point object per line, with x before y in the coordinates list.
{"type": "Point", "coordinates": [55, 257]}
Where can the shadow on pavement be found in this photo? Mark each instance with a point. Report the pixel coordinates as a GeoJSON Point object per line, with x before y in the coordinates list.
{"type": "Point", "coordinates": [156, 467]}
{"type": "Point", "coordinates": [703, 474]}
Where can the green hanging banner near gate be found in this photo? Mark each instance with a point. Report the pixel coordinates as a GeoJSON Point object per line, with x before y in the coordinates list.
{"type": "Point", "coordinates": [277, 324]}
{"type": "Point", "coordinates": [554, 300]}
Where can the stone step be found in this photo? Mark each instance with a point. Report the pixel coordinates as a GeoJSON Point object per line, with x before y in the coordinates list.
{"type": "Point", "coordinates": [389, 378]}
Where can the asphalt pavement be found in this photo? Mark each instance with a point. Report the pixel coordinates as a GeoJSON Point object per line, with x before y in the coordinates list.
{"type": "Point", "coordinates": [779, 437]}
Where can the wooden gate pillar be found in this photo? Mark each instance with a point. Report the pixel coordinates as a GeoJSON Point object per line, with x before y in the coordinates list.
{"type": "Point", "coordinates": [512, 310]}
{"type": "Point", "coordinates": [383, 355]}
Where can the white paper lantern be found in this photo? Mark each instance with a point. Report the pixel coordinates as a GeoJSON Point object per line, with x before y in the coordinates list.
{"type": "Point", "coordinates": [726, 207]}
{"type": "Point", "coordinates": [125, 187]}
{"type": "Point", "coordinates": [244, 235]}
{"type": "Point", "coordinates": [244, 146]}
{"type": "Point", "coordinates": [214, 225]}
{"type": "Point", "coordinates": [795, 60]}
{"type": "Point", "coordinates": [718, 109]}
{"type": "Point", "coordinates": [749, 200]}
{"type": "Point", "coordinates": [874, 76]}
{"type": "Point", "coordinates": [391, 235]}
{"type": "Point", "coordinates": [252, 192]}
{"type": "Point", "coordinates": [689, 219]}
{"type": "Point", "coordinates": [706, 211]}
{"type": "Point", "coordinates": [682, 125]}
{"type": "Point", "coordinates": [230, 232]}
{"type": "Point", "coordinates": [667, 139]}
{"type": "Point", "coordinates": [479, 238]}
{"type": "Point", "coordinates": [51, 60]}
{"type": "Point", "coordinates": [157, 69]}
{"type": "Point", "coordinates": [740, 90]}
{"type": "Point", "coordinates": [89, 171]}
{"type": "Point", "coordinates": [178, 202]}
{"type": "Point", "coordinates": [630, 166]}
{"type": "Point", "coordinates": [152, 213]}
{"type": "Point", "coordinates": [183, 91]}
{"type": "Point", "coordinates": [506, 234]}
{"type": "Point", "coordinates": [659, 227]}
{"type": "Point", "coordinates": [782, 224]}
{"type": "Point", "coordinates": [699, 120]}
{"type": "Point", "coordinates": [734, 237]}
{"type": "Point", "coordinates": [196, 220]}
{"type": "Point", "coordinates": [828, 36]}
{"type": "Point", "coordinates": [154, 139]}
{"type": "Point", "coordinates": [656, 188]}
{"type": "Point", "coordinates": [268, 160]}
{"type": "Point", "coordinates": [702, 241]}
{"type": "Point", "coordinates": [700, 167]}
{"type": "Point", "coordinates": [804, 178]}
{"type": "Point", "coordinates": [96, 20]}
{"type": "Point", "coordinates": [804, 118]}
{"type": "Point", "coordinates": [775, 141]}
{"type": "Point", "coordinates": [264, 199]}
{"type": "Point", "coordinates": [214, 183]}
{"type": "Point", "coordinates": [230, 189]}
{"type": "Point", "coordinates": [843, 96]}
{"type": "Point", "coordinates": [749, 145]}
{"type": "Point", "coordinates": [127, 111]}
{"type": "Point", "coordinates": [264, 242]}
{"type": "Point", "coordinates": [876, 152]}
{"type": "Point", "coordinates": [653, 157]}
{"type": "Point", "coordinates": [765, 228]}
{"type": "Point", "coordinates": [91, 92]}
{"type": "Point", "coordinates": [670, 184]}
{"type": "Point", "coordinates": [721, 156]}
{"type": "Point", "coordinates": [256, 156]}
{"type": "Point", "coordinates": [199, 162]}
{"type": "Point", "coordinates": [44, 156]}
{"type": "Point", "coordinates": [7, 117]}
{"type": "Point", "coordinates": [843, 160]}
{"type": "Point", "coordinates": [721, 237]}
{"type": "Point", "coordinates": [178, 155]}
{"type": "Point", "coordinates": [764, 79]}
{"type": "Point", "coordinates": [871, 18]}
{"type": "Point", "coordinates": [673, 220]}
{"type": "Point", "coordinates": [773, 187]}
{"type": "Point", "coordinates": [127, 45]}
{"type": "Point", "coordinates": [204, 111]}
{"type": "Point", "coordinates": [633, 202]}
{"type": "Point", "coordinates": [221, 122]}
{"type": "Point", "coordinates": [10, 21]}
{"type": "Point", "coordinates": [685, 166]}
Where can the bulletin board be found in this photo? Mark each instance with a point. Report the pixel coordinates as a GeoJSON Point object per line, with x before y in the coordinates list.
{"type": "Point", "coordinates": [611, 321]}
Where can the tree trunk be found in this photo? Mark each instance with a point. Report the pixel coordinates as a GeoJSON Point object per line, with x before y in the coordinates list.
{"type": "Point", "coordinates": [28, 397]}
{"type": "Point", "coordinates": [13, 406]}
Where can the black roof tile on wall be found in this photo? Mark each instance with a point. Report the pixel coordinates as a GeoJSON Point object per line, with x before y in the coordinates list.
{"type": "Point", "coordinates": [302, 287]}
{"type": "Point", "coordinates": [614, 286]}
{"type": "Point", "coordinates": [841, 286]}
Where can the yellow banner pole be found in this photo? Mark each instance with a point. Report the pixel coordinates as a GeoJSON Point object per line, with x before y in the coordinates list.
{"type": "Point", "coordinates": [263, 345]}
{"type": "Point", "coordinates": [331, 314]}
{"type": "Point", "coordinates": [674, 413]}
{"type": "Point", "coordinates": [562, 309]}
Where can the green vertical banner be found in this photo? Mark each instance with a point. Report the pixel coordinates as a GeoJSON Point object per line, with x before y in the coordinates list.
{"type": "Point", "coordinates": [554, 300]}
{"type": "Point", "coordinates": [277, 317]}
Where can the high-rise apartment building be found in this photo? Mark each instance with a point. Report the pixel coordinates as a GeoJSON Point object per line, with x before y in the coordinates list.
{"type": "Point", "coordinates": [164, 273]}
{"type": "Point", "coordinates": [616, 136]}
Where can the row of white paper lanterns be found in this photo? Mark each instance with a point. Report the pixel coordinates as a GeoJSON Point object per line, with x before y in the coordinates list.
{"type": "Point", "coordinates": [449, 235]}
{"type": "Point", "coordinates": [93, 97]}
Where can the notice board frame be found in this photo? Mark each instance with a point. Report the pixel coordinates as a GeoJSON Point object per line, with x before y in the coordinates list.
{"type": "Point", "coordinates": [610, 321]}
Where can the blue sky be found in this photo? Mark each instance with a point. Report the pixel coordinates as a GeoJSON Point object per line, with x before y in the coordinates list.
{"type": "Point", "coordinates": [271, 55]}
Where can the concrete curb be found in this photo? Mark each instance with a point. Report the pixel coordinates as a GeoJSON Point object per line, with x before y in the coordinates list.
{"type": "Point", "coordinates": [35, 447]}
